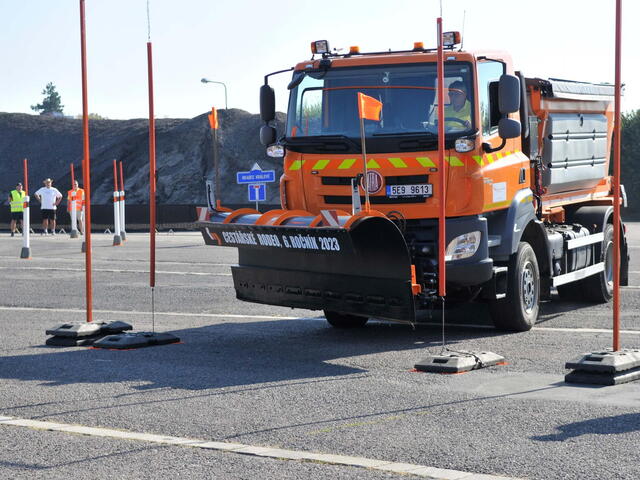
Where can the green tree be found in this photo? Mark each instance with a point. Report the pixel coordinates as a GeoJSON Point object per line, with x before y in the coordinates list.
{"type": "Point", "coordinates": [630, 161]}
{"type": "Point", "coordinates": [50, 102]}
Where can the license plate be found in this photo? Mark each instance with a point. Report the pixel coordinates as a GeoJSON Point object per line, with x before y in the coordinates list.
{"type": "Point", "coordinates": [421, 190]}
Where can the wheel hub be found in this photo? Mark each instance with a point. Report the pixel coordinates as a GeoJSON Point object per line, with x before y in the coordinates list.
{"type": "Point", "coordinates": [528, 287]}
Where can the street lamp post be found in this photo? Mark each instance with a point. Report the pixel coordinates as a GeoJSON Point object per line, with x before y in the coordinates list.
{"type": "Point", "coordinates": [205, 80]}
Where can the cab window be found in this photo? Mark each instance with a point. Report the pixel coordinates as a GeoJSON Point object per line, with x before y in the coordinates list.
{"type": "Point", "coordinates": [489, 73]}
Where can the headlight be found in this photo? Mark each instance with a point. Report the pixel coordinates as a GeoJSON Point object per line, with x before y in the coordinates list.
{"type": "Point", "coordinates": [275, 151]}
{"type": "Point", "coordinates": [463, 246]}
{"type": "Point", "coordinates": [465, 144]}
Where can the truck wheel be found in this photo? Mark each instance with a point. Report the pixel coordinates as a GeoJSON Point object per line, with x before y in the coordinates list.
{"type": "Point", "coordinates": [345, 320]}
{"type": "Point", "coordinates": [519, 310]}
{"type": "Point", "coordinates": [599, 288]}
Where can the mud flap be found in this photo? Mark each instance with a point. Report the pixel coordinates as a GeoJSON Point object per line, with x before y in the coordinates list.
{"type": "Point", "coordinates": [363, 270]}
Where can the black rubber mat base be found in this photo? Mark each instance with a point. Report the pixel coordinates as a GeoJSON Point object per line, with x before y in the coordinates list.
{"type": "Point", "coordinates": [73, 341]}
{"type": "Point", "coordinates": [605, 367]}
{"type": "Point", "coordinates": [83, 334]}
{"type": "Point", "coordinates": [125, 341]}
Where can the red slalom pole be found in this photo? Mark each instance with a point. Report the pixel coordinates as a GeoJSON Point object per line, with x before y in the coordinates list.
{"type": "Point", "coordinates": [442, 291]}
{"type": "Point", "coordinates": [152, 173]}
{"type": "Point", "coordinates": [115, 176]}
{"type": "Point", "coordinates": [25, 169]}
{"type": "Point", "coordinates": [86, 166]}
{"type": "Point", "coordinates": [73, 176]}
{"type": "Point", "coordinates": [616, 183]}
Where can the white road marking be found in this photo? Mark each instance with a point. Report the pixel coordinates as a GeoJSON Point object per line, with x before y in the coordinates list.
{"type": "Point", "coordinates": [252, 450]}
{"type": "Point", "coordinates": [115, 270]}
{"type": "Point", "coordinates": [283, 317]}
{"type": "Point", "coordinates": [131, 312]}
{"type": "Point", "coordinates": [115, 260]}
{"type": "Point", "coordinates": [538, 329]}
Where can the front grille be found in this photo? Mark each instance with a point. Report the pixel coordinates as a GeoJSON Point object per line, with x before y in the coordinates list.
{"type": "Point", "coordinates": [394, 180]}
{"type": "Point", "coordinates": [346, 200]}
{"type": "Point", "coordinates": [336, 180]}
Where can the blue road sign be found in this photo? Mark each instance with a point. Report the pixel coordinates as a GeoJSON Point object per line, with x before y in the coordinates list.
{"type": "Point", "coordinates": [257, 192]}
{"type": "Point", "coordinates": [256, 176]}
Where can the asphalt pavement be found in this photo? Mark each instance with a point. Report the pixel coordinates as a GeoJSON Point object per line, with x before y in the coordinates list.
{"type": "Point", "coordinates": [275, 377]}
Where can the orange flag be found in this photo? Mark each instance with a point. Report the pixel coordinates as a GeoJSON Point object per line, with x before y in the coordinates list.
{"type": "Point", "coordinates": [368, 107]}
{"type": "Point", "coordinates": [213, 118]}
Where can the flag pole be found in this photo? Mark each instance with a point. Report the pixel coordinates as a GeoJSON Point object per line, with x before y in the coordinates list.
{"type": "Point", "coordinates": [86, 165]}
{"type": "Point", "coordinates": [616, 182]}
{"type": "Point", "coordinates": [365, 179]}
{"type": "Point", "coordinates": [152, 185]}
{"type": "Point", "coordinates": [442, 170]}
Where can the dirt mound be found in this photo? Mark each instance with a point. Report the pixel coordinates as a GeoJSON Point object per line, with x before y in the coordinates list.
{"type": "Point", "coordinates": [184, 155]}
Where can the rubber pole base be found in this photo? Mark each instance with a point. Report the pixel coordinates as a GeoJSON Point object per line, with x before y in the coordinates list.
{"type": "Point", "coordinates": [117, 241]}
{"type": "Point", "coordinates": [73, 234]}
{"type": "Point", "coordinates": [458, 362]}
{"type": "Point", "coordinates": [123, 235]}
{"type": "Point", "coordinates": [25, 253]}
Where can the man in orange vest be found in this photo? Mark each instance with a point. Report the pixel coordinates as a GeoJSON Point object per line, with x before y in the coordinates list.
{"type": "Point", "coordinates": [79, 205]}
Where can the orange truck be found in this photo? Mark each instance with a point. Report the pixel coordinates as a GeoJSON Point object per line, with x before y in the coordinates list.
{"type": "Point", "coordinates": [528, 195]}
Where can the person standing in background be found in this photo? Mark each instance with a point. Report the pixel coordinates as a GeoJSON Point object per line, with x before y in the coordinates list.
{"type": "Point", "coordinates": [16, 200]}
{"type": "Point", "coordinates": [49, 198]}
{"type": "Point", "coordinates": [79, 205]}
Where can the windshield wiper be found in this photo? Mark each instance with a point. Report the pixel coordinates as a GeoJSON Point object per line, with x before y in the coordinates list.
{"type": "Point", "coordinates": [322, 140]}
{"type": "Point", "coordinates": [406, 134]}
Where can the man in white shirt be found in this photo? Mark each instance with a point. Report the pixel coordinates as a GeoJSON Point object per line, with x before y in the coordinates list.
{"type": "Point", "coordinates": [49, 198]}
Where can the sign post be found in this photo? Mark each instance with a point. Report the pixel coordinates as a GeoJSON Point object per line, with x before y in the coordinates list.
{"type": "Point", "coordinates": [257, 192]}
{"type": "Point", "coordinates": [256, 179]}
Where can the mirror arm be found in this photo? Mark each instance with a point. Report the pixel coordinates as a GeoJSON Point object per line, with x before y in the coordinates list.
{"type": "Point", "coordinates": [266, 77]}
{"type": "Point", "coordinates": [486, 146]}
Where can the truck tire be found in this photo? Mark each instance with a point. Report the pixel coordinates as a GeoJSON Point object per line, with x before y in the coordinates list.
{"type": "Point", "coordinates": [345, 320]}
{"type": "Point", "coordinates": [519, 310]}
{"type": "Point", "coordinates": [599, 288]}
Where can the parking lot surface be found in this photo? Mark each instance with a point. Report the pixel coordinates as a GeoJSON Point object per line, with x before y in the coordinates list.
{"type": "Point", "coordinates": [272, 377]}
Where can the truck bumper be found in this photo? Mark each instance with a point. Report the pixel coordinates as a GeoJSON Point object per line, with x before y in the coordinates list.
{"type": "Point", "coordinates": [476, 269]}
{"type": "Point", "coordinates": [470, 274]}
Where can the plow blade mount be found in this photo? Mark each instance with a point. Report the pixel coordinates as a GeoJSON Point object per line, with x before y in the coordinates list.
{"type": "Point", "coordinates": [360, 266]}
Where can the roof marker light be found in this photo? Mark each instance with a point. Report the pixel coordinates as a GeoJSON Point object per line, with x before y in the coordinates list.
{"type": "Point", "coordinates": [354, 49]}
{"type": "Point", "coordinates": [418, 46]}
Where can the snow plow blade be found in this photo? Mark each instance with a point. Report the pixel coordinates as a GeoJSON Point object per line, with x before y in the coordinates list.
{"type": "Point", "coordinates": [360, 265]}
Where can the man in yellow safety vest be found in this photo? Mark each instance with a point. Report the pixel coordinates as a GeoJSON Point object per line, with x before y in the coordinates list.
{"type": "Point", "coordinates": [16, 200]}
{"type": "Point", "coordinates": [457, 115]}
{"type": "Point", "coordinates": [79, 205]}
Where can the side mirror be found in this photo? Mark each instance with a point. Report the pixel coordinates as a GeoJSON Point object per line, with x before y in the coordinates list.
{"type": "Point", "coordinates": [268, 135]}
{"type": "Point", "coordinates": [509, 94]}
{"type": "Point", "coordinates": [267, 103]}
{"type": "Point", "coordinates": [509, 128]}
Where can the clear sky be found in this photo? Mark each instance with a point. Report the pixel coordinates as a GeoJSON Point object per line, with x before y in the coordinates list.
{"type": "Point", "coordinates": [238, 41]}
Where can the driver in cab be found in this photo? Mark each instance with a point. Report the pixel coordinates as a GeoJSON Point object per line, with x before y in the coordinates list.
{"type": "Point", "coordinates": [457, 114]}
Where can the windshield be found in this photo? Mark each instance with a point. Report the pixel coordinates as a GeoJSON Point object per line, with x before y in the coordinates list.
{"type": "Point", "coordinates": [325, 102]}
